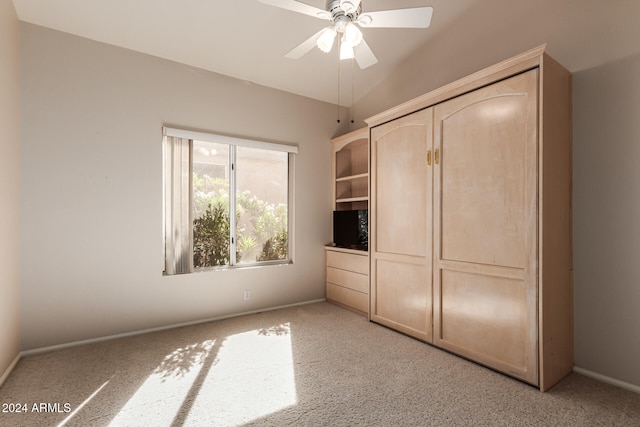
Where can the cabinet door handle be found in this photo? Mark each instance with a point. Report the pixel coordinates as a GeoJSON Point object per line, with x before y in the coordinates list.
{"type": "Point", "coordinates": [437, 156]}
{"type": "Point", "coordinates": [429, 158]}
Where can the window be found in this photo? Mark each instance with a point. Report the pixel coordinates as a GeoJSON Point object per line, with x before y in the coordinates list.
{"type": "Point", "coordinates": [226, 201]}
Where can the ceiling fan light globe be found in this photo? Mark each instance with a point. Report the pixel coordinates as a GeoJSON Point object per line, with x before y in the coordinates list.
{"type": "Point", "coordinates": [346, 51]}
{"type": "Point", "coordinates": [326, 39]}
{"type": "Point", "coordinates": [352, 34]}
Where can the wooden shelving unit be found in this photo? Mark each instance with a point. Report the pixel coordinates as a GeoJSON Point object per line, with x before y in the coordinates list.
{"type": "Point", "coordinates": [350, 160]}
{"type": "Point", "coordinates": [348, 269]}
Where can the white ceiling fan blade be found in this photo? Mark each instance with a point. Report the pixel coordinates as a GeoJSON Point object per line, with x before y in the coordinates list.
{"type": "Point", "coordinates": [296, 6]}
{"type": "Point", "coordinates": [349, 6]}
{"type": "Point", "coordinates": [364, 55]}
{"type": "Point", "coordinates": [305, 46]}
{"type": "Point", "coordinates": [416, 17]}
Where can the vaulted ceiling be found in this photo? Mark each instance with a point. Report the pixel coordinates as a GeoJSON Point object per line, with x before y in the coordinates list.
{"type": "Point", "coordinates": [247, 39]}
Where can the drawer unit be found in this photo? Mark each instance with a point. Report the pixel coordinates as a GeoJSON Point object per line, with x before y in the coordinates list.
{"type": "Point", "coordinates": [358, 263]}
{"type": "Point", "coordinates": [348, 297]}
{"type": "Point", "coordinates": [348, 278]}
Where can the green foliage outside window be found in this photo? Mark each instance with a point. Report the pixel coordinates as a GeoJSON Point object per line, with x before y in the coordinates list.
{"type": "Point", "coordinates": [261, 229]}
{"type": "Point", "coordinates": [275, 248]}
{"type": "Point", "coordinates": [211, 237]}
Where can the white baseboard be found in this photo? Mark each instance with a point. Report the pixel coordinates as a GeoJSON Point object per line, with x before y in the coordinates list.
{"type": "Point", "coordinates": [606, 379]}
{"type": "Point", "coordinates": [162, 328]}
{"type": "Point", "coordinates": [7, 371]}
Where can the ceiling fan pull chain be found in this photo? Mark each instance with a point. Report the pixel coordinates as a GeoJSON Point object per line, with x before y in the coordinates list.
{"type": "Point", "coordinates": [339, 85]}
{"type": "Point", "coordinates": [352, 72]}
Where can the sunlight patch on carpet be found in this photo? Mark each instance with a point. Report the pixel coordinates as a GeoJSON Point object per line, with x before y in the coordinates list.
{"type": "Point", "coordinates": [253, 376]}
{"type": "Point", "coordinates": [228, 381]}
{"type": "Point", "coordinates": [83, 404]}
{"type": "Point", "coordinates": [161, 396]}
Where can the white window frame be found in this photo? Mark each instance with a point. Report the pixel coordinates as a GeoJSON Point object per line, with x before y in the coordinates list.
{"type": "Point", "coordinates": [169, 264]}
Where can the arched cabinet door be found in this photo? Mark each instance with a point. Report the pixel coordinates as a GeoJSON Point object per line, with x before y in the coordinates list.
{"type": "Point", "coordinates": [485, 225]}
{"type": "Point", "coordinates": [400, 241]}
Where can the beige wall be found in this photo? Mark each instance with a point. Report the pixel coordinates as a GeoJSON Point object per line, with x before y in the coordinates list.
{"type": "Point", "coordinates": [606, 215]}
{"type": "Point", "coordinates": [92, 119]}
{"type": "Point", "coordinates": [579, 34]}
{"type": "Point", "coordinates": [605, 141]}
{"type": "Point", "coordinates": [9, 186]}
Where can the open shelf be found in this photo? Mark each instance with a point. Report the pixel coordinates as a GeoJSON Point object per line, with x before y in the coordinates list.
{"type": "Point", "coordinates": [352, 199]}
{"type": "Point", "coordinates": [351, 170]}
{"type": "Point", "coordinates": [353, 177]}
{"type": "Point", "coordinates": [347, 269]}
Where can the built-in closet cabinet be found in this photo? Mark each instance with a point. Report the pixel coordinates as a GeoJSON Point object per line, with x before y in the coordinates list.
{"type": "Point", "coordinates": [401, 236]}
{"type": "Point", "coordinates": [470, 232]}
{"type": "Point", "coordinates": [485, 217]}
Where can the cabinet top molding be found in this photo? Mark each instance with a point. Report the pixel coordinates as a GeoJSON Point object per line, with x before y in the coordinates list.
{"type": "Point", "coordinates": [339, 142]}
{"type": "Point", "coordinates": [530, 59]}
{"type": "Point", "coordinates": [361, 133]}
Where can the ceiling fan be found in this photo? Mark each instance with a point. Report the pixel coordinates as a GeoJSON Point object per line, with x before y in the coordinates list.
{"type": "Point", "coordinates": [344, 15]}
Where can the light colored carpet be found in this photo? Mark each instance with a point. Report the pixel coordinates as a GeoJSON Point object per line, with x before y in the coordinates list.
{"type": "Point", "coordinates": [312, 365]}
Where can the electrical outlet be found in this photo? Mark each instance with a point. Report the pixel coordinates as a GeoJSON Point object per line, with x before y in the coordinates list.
{"type": "Point", "coordinates": [247, 295]}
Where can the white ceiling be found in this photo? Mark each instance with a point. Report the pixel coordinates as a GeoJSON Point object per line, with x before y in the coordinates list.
{"type": "Point", "coordinates": [247, 40]}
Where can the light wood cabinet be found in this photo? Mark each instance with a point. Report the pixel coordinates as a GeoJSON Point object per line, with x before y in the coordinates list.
{"type": "Point", "coordinates": [401, 225]}
{"type": "Point", "coordinates": [348, 278]}
{"type": "Point", "coordinates": [485, 217]}
{"type": "Point", "coordinates": [480, 171]}
{"type": "Point", "coordinates": [347, 270]}
{"type": "Point", "coordinates": [350, 163]}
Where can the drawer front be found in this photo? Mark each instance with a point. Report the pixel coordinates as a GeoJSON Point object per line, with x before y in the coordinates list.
{"type": "Point", "coordinates": [348, 297]}
{"type": "Point", "coordinates": [351, 262]}
{"type": "Point", "coordinates": [347, 279]}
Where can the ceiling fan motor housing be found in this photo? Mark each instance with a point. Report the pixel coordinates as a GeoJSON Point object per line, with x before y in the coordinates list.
{"type": "Point", "coordinates": [342, 13]}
